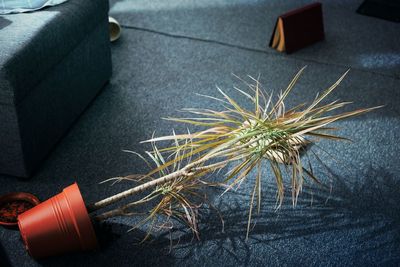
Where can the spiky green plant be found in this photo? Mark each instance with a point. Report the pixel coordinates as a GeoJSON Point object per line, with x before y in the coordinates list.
{"type": "Point", "coordinates": [177, 198]}
{"type": "Point", "coordinates": [269, 133]}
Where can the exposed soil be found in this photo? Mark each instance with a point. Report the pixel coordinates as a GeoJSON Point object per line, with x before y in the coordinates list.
{"type": "Point", "coordinates": [9, 211]}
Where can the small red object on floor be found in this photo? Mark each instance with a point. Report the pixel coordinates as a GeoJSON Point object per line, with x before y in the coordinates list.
{"type": "Point", "coordinates": [14, 204]}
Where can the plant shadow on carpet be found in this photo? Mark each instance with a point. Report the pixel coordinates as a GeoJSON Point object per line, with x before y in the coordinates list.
{"type": "Point", "coordinates": [117, 247]}
{"type": "Point", "coordinates": [368, 207]}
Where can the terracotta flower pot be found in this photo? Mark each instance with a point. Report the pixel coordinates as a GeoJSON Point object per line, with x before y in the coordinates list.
{"type": "Point", "coordinates": [58, 225]}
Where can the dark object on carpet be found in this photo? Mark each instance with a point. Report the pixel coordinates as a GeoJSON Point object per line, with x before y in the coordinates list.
{"type": "Point", "coordinates": [384, 9]}
{"type": "Point", "coordinates": [298, 28]}
{"type": "Point", "coordinates": [52, 64]}
{"type": "Point", "coordinates": [4, 262]}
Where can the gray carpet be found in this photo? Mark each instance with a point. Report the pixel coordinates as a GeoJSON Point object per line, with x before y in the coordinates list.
{"type": "Point", "coordinates": [170, 50]}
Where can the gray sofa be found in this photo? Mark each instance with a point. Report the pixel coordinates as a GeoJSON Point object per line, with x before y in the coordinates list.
{"type": "Point", "coordinates": [52, 64]}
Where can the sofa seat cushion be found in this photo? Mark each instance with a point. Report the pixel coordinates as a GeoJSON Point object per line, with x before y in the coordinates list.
{"type": "Point", "coordinates": [13, 6]}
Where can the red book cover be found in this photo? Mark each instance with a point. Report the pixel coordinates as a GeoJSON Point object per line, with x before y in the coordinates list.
{"type": "Point", "coordinates": [302, 27]}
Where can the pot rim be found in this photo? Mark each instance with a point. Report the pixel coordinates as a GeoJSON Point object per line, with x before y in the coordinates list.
{"type": "Point", "coordinates": [15, 196]}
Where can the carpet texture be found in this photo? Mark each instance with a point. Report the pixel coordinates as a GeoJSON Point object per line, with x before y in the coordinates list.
{"type": "Point", "coordinates": [170, 50]}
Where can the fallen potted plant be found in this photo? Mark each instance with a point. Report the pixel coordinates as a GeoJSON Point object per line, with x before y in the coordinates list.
{"type": "Point", "coordinates": [235, 136]}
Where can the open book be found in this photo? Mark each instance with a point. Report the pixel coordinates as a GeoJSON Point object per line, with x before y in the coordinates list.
{"type": "Point", "coordinates": [298, 28]}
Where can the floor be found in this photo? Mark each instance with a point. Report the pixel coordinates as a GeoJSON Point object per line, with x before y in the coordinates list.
{"type": "Point", "coordinates": [170, 50]}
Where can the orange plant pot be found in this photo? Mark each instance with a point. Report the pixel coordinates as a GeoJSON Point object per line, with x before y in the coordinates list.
{"type": "Point", "coordinates": [58, 225]}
